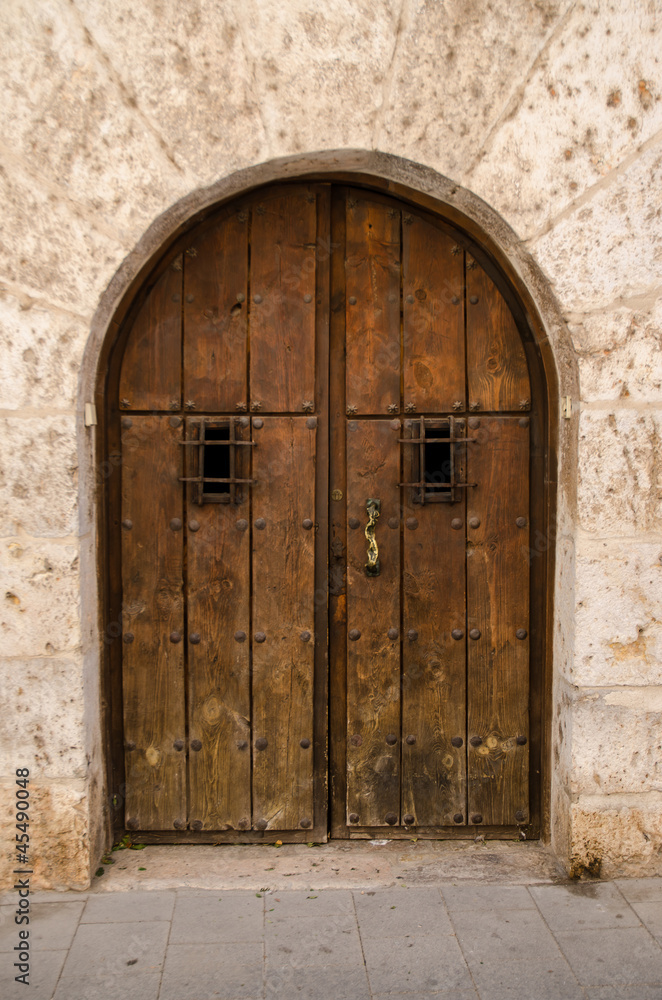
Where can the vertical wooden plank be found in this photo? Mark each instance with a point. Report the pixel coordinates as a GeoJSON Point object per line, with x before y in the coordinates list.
{"type": "Point", "coordinates": [283, 638]}
{"type": "Point", "coordinates": [373, 610]}
{"type": "Point", "coordinates": [498, 621]}
{"type": "Point", "coordinates": [153, 623]}
{"type": "Point", "coordinates": [150, 377]}
{"type": "Point", "coordinates": [433, 318]}
{"type": "Point", "coordinates": [216, 317]}
{"type": "Point", "coordinates": [372, 261]}
{"type": "Point", "coordinates": [218, 614]}
{"type": "Point", "coordinates": [433, 660]}
{"type": "Point", "coordinates": [497, 371]}
{"type": "Point", "coordinates": [282, 307]}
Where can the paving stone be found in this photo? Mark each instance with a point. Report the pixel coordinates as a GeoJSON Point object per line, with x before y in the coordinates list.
{"type": "Point", "coordinates": [500, 935]}
{"type": "Point", "coordinates": [423, 963]}
{"type": "Point", "coordinates": [202, 918]}
{"type": "Point", "coordinates": [128, 949]}
{"type": "Point", "coordinates": [545, 980]}
{"type": "Point", "coordinates": [110, 987]}
{"type": "Point", "coordinates": [640, 992]}
{"type": "Point", "coordinates": [487, 897]}
{"type": "Point", "coordinates": [44, 971]}
{"type": "Point", "coordinates": [120, 907]}
{"type": "Point", "coordinates": [304, 904]}
{"type": "Point", "coordinates": [205, 971]}
{"type": "Point", "coordinates": [612, 956]}
{"type": "Point", "coordinates": [300, 943]}
{"type": "Point", "coordinates": [393, 913]}
{"type": "Point", "coordinates": [642, 890]}
{"type": "Point", "coordinates": [443, 995]}
{"type": "Point", "coordinates": [322, 984]}
{"type": "Point", "coordinates": [650, 915]}
{"type": "Point", "coordinates": [573, 907]}
{"type": "Point", "coordinates": [52, 925]}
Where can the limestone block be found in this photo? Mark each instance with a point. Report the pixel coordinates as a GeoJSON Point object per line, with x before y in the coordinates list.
{"type": "Point", "coordinates": [42, 705]}
{"type": "Point", "coordinates": [456, 67]}
{"type": "Point", "coordinates": [39, 474]}
{"type": "Point", "coordinates": [607, 247]}
{"type": "Point", "coordinates": [617, 741]}
{"type": "Point", "coordinates": [620, 471]}
{"type": "Point", "coordinates": [617, 835]}
{"type": "Point", "coordinates": [40, 599]}
{"type": "Point", "coordinates": [620, 354]}
{"type": "Point", "coordinates": [73, 123]}
{"type": "Point", "coordinates": [41, 352]}
{"type": "Point", "coordinates": [59, 843]}
{"type": "Point", "coordinates": [618, 634]}
{"type": "Point", "coordinates": [590, 100]}
{"type": "Point", "coordinates": [51, 248]}
{"type": "Point", "coordinates": [184, 68]}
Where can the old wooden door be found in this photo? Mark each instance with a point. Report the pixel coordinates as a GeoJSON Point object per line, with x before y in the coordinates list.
{"type": "Point", "coordinates": [324, 409]}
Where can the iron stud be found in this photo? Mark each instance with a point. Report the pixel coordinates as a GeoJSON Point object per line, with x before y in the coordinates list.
{"type": "Point", "coordinates": [521, 741]}
{"type": "Point", "coordinates": [196, 824]}
{"type": "Point", "coordinates": [241, 297]}
{"type": "Point", "coordinates": [305, 636]}
{"type": "Point", "coordinates": [458, 818]}
{"type": "Point", "coordinates": [354, 522]}
{"type": "Point", "coordinates": [356, 740]}
{"type": "Point", "coordinates": [132, 823]}
{"type": "Point", "coordinates": [196, 745]}
{"type": "Point", "coordinates": [242, 744]}
{"type": "Point", "coordinates": [307, 297]}
{"type": "Point", "coordinates": [353, 817]}
{"type": "Point", "coordinates": [408, 819]}
{"type": "Point", "coordinates": [354, 634]}
{"type": "Point", "coordinates": [189, 405]}
{"type": "Point", "coordinates": [410, 740]}
{"type": "Point", "coordinates": [260, 637]}
{"type": "Point", "coordinates": [456, 523]}
{"type": "Point", "coordinates": [175, 637]}
{"type": "Point", "coordinates": [393, 522]}
{"type": "Point", "coordinates": [241, 407]}
{"type": "Point", "coordinates": [474, 405]}
{"type": "Point", "coordinates": [474, 633]}
{"type": "Point", "coordinates": [393, 633]}
{"type": "Point", "coordinates": [258, 423]}
{"type": "Point", "coordinates": [262, 824]}
{"type": "Point", "coordinates": [304, 744]}
{"type": "Point", "coordinates": [256, 405]}
{"type": "Point", "coordinates": [176, 524]}
{"type": "Point", "coordinates": [175, 421]}
{"type": "Point", "coordinates": [476, 741]}
{"type": "Point", "coordinates": [393, 408]}
{"type": "Point", "coordinates": [351, 409]}
{"type": "Point", "coordinates": [305, 823]}
{"type": "Point", "coordinates": [412, 635]}
{"type": "Point", "coordinates": [523, 421]}
{"type": "Point", "coordinates": [260, 524]}
{"type": "Point", "coordinates": [174, 405]}
{"type": "Point", "coordinates": [261, 743]}
{"type": "Point", "coordinates": [410, 300]}
{"type": "Point", "coordinates": [521, 522]}
{"type": "Point", "coordinates": [352, 300]}
{"type": "Point", "coordinates": [410, 408]}
{"type": "Point", "coordinates": [127, 422]}
{"type": "Point", "coordinates": [125, 403]}
{"type": "Point", "coordinates": [308, 406]}
{"type": "Point", "coordinates": [458, 404]}
{"type": "Point", "coordinates": [457, 741]}
{"type": "Point", "coordinates": [311, 423]}
{"type": "Point", "coordinates": [240, 637]}
{"type": "Point", "coordinates": [391, 819]}
{"type": "Point", "coordinates": [391, 739]}
{"type": "Point", "coordinates": [474, 422]}
{"type": "Point", "coordinates": [476, 818]}
{"type": "Point", "coordinates": [242, 524]}
{"type": "Point", "coordinates": [455, 300]}
{"type": "Point", "coordinates": [412, 523]}
{"type": "Point", "coordinates": [178, 744]}
{"type": "Point", "coordinates": [457, 633]}
{"type": "Point", "coordinates": [474, 522]}
{"type": "Point", "coordinates": [524, 404]}
{"type": "Point", "coordinates": [307, 523]}
{"type": "Point", "coordinates": [194, 525]}
{"type": "Point", "coordinates": [127, 524]}
{"type": "Point", "coordinates": [194, 638]}
{"type": "Point", "coordinates": [257, 299]}
{"type": "Point", "coordinates": [520, 816]}
{"type": "Point", "coordinates": [521, 633]}
{"type": "Point", "coordinates": [128, 637]}
{"type": "Point", "coordinates": [130, 745]}
{"type": "Point", "coordinates": [473, 299]}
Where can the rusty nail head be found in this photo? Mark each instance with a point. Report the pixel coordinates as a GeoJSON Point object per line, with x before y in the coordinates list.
{"type": "Point", "coordinates": [352, 300]}
{"type": "Point", "coordinates": [412, 523]}
{"type": "Point", "coordinates": [307, 523]}
{"type": "Point", "coordinates": [521, 633]}
{"type": "Point", "coordinates": [356, 740]}
{"type": "Point", "coordinates": [176, 524]}
{"type": "Point", "coordinates": [128, 637]}
{"type": "Point", "coordinates": [261, 743]}
{"type": "Point", "coordinates": [175, 637]}
{"type": "Point", "coordinates": [196, 745]}
{"type": "Point", "coordinates": [262, 824]}
{"type": "Point", "coordinates": [305, 636]}
{"type": "Point", "coordinates": [196, 824]}
{"type": "Point", "coordinates": [311, 423]}
{"type": "Point", "coordinates": [410, 740]}
{"type": "Point", "coordinates": [307, 297]}
{"type": "Point", "coordinates": [476, 818]}
{"type": "Point", "coordinates": [412, 635]}
{"type": "Point", "coordinates": [393, 522]}
{"type": "Point", "coordinates": [455, 300]}
{"type": "Point", "coordinates": [354, 634]}
{"type": "Point", "coordinates": [240, 636]}
{"type": "Point", "coordinates": [458, 818]}
{"type": "Point", "coordinates": [258, 422]}
{"type": "Point", "coordinates": [393, 633]}
{"type": "Point", "coordinates": [243, 421]}
{"type": "Point", "coordinates": [194, 526]}
{"type": "Point", "coordinates": [475, 741]}
{"type": "Point", "coordinates": [242, 524]}
{"type": "Point", "coordinates": [194, 638]}
{"type": "Point", "coordinates": [474, 522]}
{"type": "Point", "coordinates": [457, 633]}
{"type": "Point", "coordinates": [243, 824]}
{"type": "Point", "coordinates": [304, 744]}
{"type": "Point", "coordinates": [127, 422]}
{"type": "Point", "coordinates": [474, 422]}
{"type": "Point", "coordinates": [521, 741]}
{"type": "Point", "coordinates": [457, 741]}
{"type": "Point", "coordinates": [391, 819]}
{"type": "Point", "coordinates": [391, 739]}
{"type": "Point", "coordinates": [178, 744]}
{"type": "Point", "coordinates": [456, 523]}
{"type": "Point", "coordinates": [521, 522]}
{"type": "Point", "coordinates": [474, 633]}
{"type": "Point", "coordinates": [127, 524]}
{"type": "Point", "coordinates": [257, 299]}
{"type": "Point", "coordinates": [260, 524]}
{"type": "Point", "coordinates": [353, 817]}
{"type": "Point", "coordinates": [520, 816]}
{"type": "Point", "coordinates": [408, 819]}
{"type": "Point", "coordinates": [305, 823]}
{"type": "Point", "coordinates": [132, 824]}
{"type": "Point", "coordinates": [473, 299]}
{"type": "Point", "coordinates": [260, 636]}
{"type": "Point", "coordinates": [354, 522]}
{"type": "Point", "coordinates": [241, 297]}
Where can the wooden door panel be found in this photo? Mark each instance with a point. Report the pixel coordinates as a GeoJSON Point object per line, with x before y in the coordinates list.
{"type": "Point", "coordinates": [433, 318]}
{"type": "Point", "coordinates": [373, 608]}
{"type": "Point", "coordinates": [282, 307]}
{"type": "Point", "coordinates": [218, 620]}
{"type": "Point", "coordinates": [498, 621]}
{"type": "Point", "coordinates": [283, 566]}
{"type": "Point", "coordinates": [150, 377]}
{"type": "Point", "coordinates": [153, 623]}
{"type": "Point", "coordinates": [216, 317]}
{"type": "Point", "coordinates": [372, 263]}
{"type": "Point", "coordinates": [433, 660]}
{"type": "Point", "coordinates": [497, 371]}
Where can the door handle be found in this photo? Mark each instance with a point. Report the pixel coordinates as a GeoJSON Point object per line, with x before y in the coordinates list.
{"type": "Point", "coordinates": [373, 508]}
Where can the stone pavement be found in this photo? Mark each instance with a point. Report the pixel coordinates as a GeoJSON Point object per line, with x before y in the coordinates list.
{"type": "Point", "coordinates": [464, 941]}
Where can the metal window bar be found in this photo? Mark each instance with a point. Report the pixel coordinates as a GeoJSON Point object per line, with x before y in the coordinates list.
{"type": "Point", "coordinates": [203, 442]}
{"type": "Point", "coordinates": [423, 486]}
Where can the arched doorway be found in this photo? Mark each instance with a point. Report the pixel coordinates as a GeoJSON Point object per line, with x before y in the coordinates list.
{"type": "Point", "coordinates": [329, 419]}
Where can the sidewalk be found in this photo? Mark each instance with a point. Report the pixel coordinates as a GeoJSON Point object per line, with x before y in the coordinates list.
{"type": "Point", "coordinates": [464, 939]}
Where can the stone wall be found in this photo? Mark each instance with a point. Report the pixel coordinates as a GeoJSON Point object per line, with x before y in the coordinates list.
{"type": "Point", "coordinates": [119, 119]}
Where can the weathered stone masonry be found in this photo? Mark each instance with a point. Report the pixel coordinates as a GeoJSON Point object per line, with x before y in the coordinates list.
{"type": "Point", "coordinates": [541, 121]}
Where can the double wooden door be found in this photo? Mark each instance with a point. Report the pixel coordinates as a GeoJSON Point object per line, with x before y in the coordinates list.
{"type": "Point", "coordinates": [324, 413]}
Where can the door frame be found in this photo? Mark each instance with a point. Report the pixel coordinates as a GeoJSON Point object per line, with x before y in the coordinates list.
{"type": "Point", "coordinates": [544, 435]}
